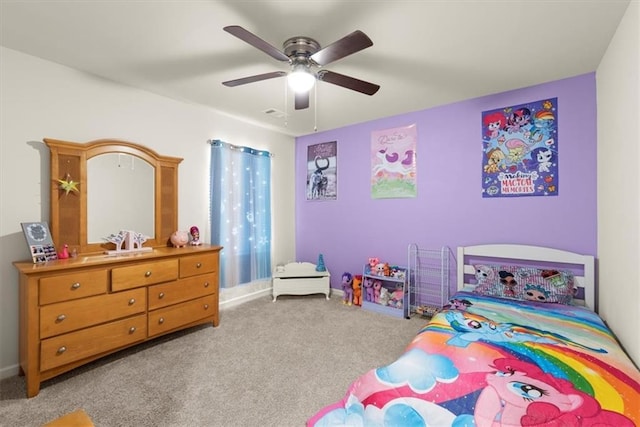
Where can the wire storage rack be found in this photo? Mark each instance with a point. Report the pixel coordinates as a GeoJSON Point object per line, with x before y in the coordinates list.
{"type": "Point", "coordinates": [428, 279]}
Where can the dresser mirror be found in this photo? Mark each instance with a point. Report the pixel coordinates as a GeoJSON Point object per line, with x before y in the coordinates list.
{"type": "Point", "coordinates": [101, 187]}
{"type": "Point", "coordinates": [123, 183]}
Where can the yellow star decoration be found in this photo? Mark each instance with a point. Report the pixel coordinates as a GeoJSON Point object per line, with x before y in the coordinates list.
{"type": "Point", "coordinates": [68, 185]}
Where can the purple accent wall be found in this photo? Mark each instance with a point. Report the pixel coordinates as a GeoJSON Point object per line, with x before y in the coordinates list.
{"type": "Point", "coordinates": [449, 209]}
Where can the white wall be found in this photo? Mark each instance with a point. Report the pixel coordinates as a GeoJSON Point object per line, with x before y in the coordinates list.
{"type": "Point", "coordinates": [42, 99]}
{"type": "Point", "coordinates": [618, 86]}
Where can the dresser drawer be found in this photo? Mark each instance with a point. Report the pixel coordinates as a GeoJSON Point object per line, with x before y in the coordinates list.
{"type": "Point", "coordinates": [182, 290]}
{"type": "Point", "coordinates": [166, 319]}
{"type": "Point", "coordinates": [135, 276]}
{"type": "Point", "coordinates": [78, 345]}
{"type": "Point", "coordinates": [193, 265]}
{"type": "Point", "coordinates": [68, 316]}
{"type": "Point", "coordinates": [65, 287]}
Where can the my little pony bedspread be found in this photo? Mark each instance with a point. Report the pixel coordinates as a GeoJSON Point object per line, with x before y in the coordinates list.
{"type": "Point", "coordinates": [486, 361]}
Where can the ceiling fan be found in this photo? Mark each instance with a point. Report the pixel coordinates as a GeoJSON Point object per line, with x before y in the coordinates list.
{"type": "Point", "coordinates": [305, 56]}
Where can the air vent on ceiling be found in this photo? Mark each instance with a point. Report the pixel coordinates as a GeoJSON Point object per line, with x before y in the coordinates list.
{"type": "Point", "coordinates": [274, 113]}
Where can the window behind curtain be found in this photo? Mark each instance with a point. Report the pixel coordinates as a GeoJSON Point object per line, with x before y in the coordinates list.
{"type": "Point", "coordinates": [241, 212]}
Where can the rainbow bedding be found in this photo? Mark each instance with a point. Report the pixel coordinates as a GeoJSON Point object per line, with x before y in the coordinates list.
{"type": "Point", "coordinates": [487, 361]}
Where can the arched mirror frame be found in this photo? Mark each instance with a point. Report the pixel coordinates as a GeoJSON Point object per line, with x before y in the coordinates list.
{"type": "Point", "coordinates": [68, 219]}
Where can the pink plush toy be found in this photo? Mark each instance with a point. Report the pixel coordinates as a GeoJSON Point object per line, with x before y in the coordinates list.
{"type": "Point", "coordinates": [372, 263]}
{"type": "Point", "coordinates": [347, 288]}
{"type": "Point", "coordinates": [377, 284]}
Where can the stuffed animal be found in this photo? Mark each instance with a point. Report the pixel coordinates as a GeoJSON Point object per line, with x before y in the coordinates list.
{"type": "Point", "coordinates": [367, 283]}
{"type": "Point", "coordinates": [372, 264]}
{"type": "Point", "coordinates": [377, 285]}
{"type": "Point", "coordinates": [357, 289]}
{"type": "Point", "coordinates": [386, 270]}
{"type": "Point", "coordinates": [397, 297]}
{"type": "Point", "coordinates": [379, 269]}
{"type": "Point", "coordinates": [385, 296]}
{"type": "Point", "coordinates": [347, 288]}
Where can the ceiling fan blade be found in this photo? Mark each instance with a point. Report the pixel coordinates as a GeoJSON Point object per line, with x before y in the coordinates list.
{"type": "Point", "coordinates": [347, 45]}
{"type": "Point", "coordinates": [348, 82]}
{"type": "Point", "coordinates": [256, 78]}
{"type": "Point", "coordinates": [302, 100]}
{"type": "Point", "coordinates": [256, 42]}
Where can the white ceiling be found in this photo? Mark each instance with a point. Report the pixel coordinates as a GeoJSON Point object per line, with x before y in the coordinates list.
{"type": "Point", "coordinates": [425, 53]}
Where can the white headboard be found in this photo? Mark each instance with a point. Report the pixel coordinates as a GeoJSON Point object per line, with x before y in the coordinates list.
{"type": "Point", "coordinates": [533, 254]}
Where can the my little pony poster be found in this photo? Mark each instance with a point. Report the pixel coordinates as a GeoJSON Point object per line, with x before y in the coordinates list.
{"type": "Point", "coordinates": [393, 162]}
{"type": "Point", "coordinates": [520, 150]}
{"type": "Point", "coordinates": [322, 177]}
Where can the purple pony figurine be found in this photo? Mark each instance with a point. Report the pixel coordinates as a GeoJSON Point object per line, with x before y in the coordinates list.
{"type": "Point", "coordinates": [347, 288]}
{"type": "Point", "coordinates": [368, 289]}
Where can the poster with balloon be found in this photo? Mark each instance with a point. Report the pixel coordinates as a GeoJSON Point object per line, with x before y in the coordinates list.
{"type": "Point", "coordinates": [520, 150]}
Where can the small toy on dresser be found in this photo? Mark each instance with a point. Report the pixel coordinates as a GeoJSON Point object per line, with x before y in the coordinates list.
{"type": "Point", "coordinates": [179, 239]}
{"type": "Point", "coordinates": [347, 288]}
{"type": "Point", "coordinates": [195, 236]}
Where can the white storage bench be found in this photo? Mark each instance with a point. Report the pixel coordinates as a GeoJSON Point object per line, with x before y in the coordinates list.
{"type": "Point", "coordinates": [300, 278]}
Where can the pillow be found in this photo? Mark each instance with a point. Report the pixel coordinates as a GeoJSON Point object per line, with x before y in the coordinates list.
{"type": "Point", "coordinates": [486, 274]}
{"type": "Point", "coordinates": [496, 281]}
{"type": "Point", "coordinates": [546, 285]}
{"type": "Point", "coordinates": [525, 283]}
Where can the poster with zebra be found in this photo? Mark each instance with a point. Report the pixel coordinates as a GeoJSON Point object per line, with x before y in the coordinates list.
{"type": "Point", "coordinates": [322, 177]}
{"type": "Point", "coordinates": [393, 162]}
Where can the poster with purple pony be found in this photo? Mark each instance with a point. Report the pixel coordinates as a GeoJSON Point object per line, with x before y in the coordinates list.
{"type": "Point", "coordinates": [520, 150]}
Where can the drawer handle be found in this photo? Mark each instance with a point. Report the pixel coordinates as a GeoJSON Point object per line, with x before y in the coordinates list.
{"type": "Point", "coordinates": [206, 306]}
{"type": "Point", "coordinates": [198, 265]}
{"type": "Point", "coordinates": [161, 320]}
{"type": "Point", "coordinates": [75, 286]}
{"type": "Point", "coordinates": [206, 284]}
{"type": "Point", "coordinates": [132, 329]}
{"type": "Point", "coordinates": [161, 295]}
{"type": "Point", "coordinates": [132, 301]}
{"type": "Point", "coordinates": [62, 349]}
{"type": "Point", "coordinates": [147, 274]}
{"type": "Point", "coordinates": [60, 318]}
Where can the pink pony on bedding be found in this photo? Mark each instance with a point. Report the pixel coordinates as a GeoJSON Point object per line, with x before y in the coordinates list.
{"type": "Point", "coordinates": [520, 393]}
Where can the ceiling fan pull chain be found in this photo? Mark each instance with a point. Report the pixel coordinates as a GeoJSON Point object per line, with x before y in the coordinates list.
{"type": "Point", "coordinates": [286, 104]}
{"type": "Point", "coordinates": [315, 108]}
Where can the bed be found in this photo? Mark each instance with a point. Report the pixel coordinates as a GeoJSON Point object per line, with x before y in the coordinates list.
{"type": "Point", "coordinates": [518, 344]}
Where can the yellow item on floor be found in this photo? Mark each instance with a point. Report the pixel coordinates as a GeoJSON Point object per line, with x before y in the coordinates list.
{"type": "Point", "coordinates": [77, 418]}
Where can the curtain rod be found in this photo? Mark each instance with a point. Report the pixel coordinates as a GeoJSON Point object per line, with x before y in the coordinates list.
{"type": "Point", "coordinates": [221, 143]}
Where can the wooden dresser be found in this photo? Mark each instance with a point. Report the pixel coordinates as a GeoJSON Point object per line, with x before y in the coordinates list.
{"type": "Point", "coordinates": [77, 310]}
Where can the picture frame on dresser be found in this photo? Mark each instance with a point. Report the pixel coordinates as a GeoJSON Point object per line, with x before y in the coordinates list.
{"type": "Point", "coordinates": [40, 242]}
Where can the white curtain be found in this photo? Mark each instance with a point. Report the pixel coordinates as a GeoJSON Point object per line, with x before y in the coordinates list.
{"type": "Point", "coordinates": [241, 212]}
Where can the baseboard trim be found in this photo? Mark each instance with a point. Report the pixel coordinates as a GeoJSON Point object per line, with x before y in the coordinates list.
{"type": "Point", "coordinates": [9, 371]}
{"type": "Point", "coordinates": [233, 302]}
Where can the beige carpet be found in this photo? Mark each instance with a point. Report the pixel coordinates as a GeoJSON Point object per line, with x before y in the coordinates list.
{"type": "Point", "coordinates": [267, 364]}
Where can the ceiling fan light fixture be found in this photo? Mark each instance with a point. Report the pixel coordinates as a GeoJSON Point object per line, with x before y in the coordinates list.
{"type": "Point", "coordinates": [300, 79]}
